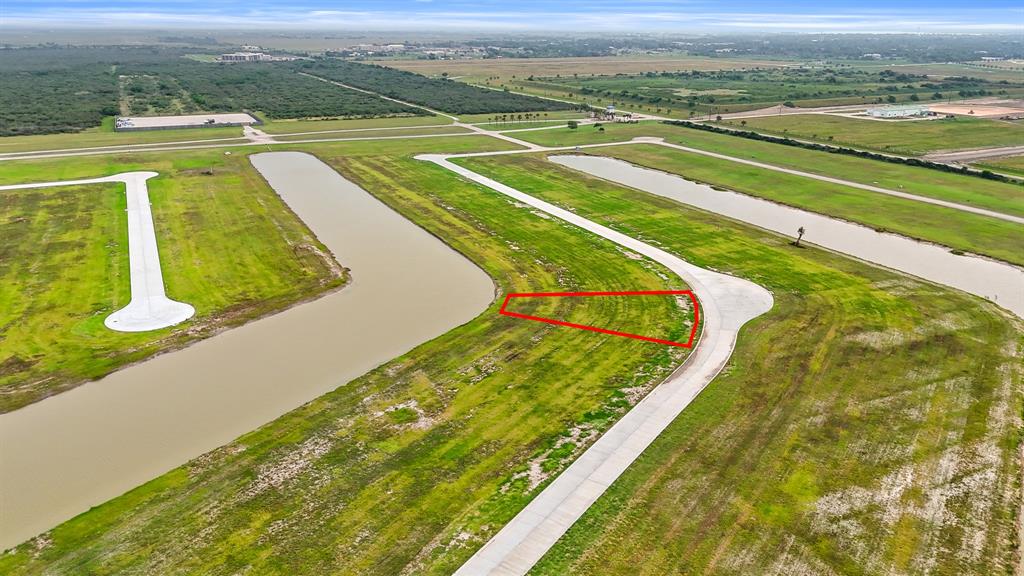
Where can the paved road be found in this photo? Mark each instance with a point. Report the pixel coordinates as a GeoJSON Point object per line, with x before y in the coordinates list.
{"type": "Point", "coordinates": [973, 155]}
{"type": "Point", "coordinates": [726, 304]}
{"type": "Point", "coordinates": [149, 308]}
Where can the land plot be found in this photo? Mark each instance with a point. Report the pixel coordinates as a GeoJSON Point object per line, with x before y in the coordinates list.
{"type": "Point", "coordinates": [422, 429]}
{"type": "Point", "coordinates": [1004, 197]}
{"type": "Point", "coordinates": [792, 456]}
{"type": "Point", "coordinates": [912, 138]}
{"type": "Point", "coordinates": [228, 246]}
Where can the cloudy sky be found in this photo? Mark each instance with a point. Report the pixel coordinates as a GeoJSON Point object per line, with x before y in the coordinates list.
{"type": "Point", "coordinates": [529, 15]}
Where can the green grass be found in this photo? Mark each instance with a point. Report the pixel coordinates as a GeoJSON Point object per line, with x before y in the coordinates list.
{"type": "Point", "coordinates": [228, 246]}
{"type": "Point", "coordinates": [550, 115]}
{"type": "Point", "coordinates": [1004, 197]}
{"type": "Point", "coordinates": [912, 138]}
{"type": "Point", "coordinates": [95, 137]}
{"type": "Point", "coordinates": [856, 372]}
{"type": "Point", "coordinates": [1009, 165]}
{"type": "Point", "coordinates": [370, 133]}
{"type": "Point", "coordinates": [290, 126]}
{"type": "Point", "coordinates": [946, 226]}
{"type": "Point", "coordinates": [971, 232]}
{"type": "Point", "coordinates": [397, 466]}
{"type": "Point", "coordinates": [513, 126]}
{"type": "Point", "coordinates": [871, 394]}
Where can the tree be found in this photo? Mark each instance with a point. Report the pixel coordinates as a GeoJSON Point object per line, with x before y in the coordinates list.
{"type": "Point", "coordinates": [573, 124]}
{"type": "Point", "coordinates": [799, 236]}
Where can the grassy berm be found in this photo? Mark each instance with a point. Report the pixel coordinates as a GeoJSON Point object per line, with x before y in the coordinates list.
{"type": "Point", "coordinates": [411, 467]}
{"type": "Point", "coordinates": [869, 424]}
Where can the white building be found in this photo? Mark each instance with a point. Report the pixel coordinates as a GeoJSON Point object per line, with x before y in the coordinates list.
{"type": "Point", "coordinates": [243, 57]}
{"type": "Point", "coordinates": [905, 111]}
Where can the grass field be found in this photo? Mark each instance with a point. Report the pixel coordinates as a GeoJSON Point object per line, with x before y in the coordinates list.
{"type": "Point", "coordinates": [390, 133]}
{"type": "Point", "coordinates": [291, 126]}
{"type": "Point", "coordinates": [417, 462]}
{"type": "Point", "coordinates": [95, 137]}
{"type": "Point", "coordinates": [912, 138]}
{"type": "Point", "coordinates": [228, 246]}
{"type": "Point", "coordinates": [551, 115]}
{"type": "Point", "coordinates": [942, 70]}
{"type": "Point", "coordinates": [969, 190]}
{"type": "Point", "coordinates": [953, 228]}
{"type": "Point", "coordinates": [971, 233]}
{"type": "Point", "coordinates": [868, 424]}
{"type": "Point", "coordinates": [1008, 165]}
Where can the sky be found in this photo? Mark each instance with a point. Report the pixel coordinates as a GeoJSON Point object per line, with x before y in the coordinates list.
{"type": "Point", "coordinates": [583, 16]}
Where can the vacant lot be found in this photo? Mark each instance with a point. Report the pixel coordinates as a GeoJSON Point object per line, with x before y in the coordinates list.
{"type": "Point", "coordinates": [910, 138]}
{"type": "Point", "coordinates": [105, 136]}
{"type": "Point", "coordinates": [959, 230]}
{"type": "Point", "coordinates": [228, 246]}
{"type": "Point", "coordinates": [293, 126]}
{"type": "Point", "coordinates": [879, 439]}
{"type": "Point", "coordinates": [973, 233]}
{"type": "Point", "coordinates": [411, 466]}
{"type": "Point", "coordinates": [389, 133]}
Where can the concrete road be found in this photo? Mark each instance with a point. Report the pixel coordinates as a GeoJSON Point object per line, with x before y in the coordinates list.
{"type": "Point", "coordinates": [726, 304]}
{"type": "Point", "coordinates": [149, 308]}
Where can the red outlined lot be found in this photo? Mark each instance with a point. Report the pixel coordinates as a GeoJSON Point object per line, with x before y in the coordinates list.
{"type": "Point", "coordinates": [687, 344]}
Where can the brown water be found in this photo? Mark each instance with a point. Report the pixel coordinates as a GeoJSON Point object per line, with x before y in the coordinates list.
{"type": "Point", "coordinates": [64, 454]}
{"type": "Point", "coordinates": [996, 281]}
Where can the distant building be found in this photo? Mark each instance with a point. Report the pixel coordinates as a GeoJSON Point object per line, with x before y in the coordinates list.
{"type": "Point", "coordinates": [872, 56]}
{"type": "Point", "coordinates": [243, 57]}
{"type": "Point", "coordinates": [906, 111]}
{"type": "Point", "coordinates": [252, 57]}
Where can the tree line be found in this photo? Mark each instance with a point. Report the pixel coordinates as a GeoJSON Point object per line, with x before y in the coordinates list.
{"type": "Point", "coordinates": [445, 95]}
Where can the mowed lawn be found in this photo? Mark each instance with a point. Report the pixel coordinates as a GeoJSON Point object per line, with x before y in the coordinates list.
{"type": "Point", "coordinates": [293, 126]}
{"type": "Point", "coordinates": [228, 246]}
{"type": "Point", "coordinates": [414, 465]}
{"type": "Point", "coordinates": [913, 138]}
{"type": "Point", "coordinates": [868, 424]}
{"type": "Point", "coordinates": [971, 233]}
{"type": "Point", "coordinates": [378, 133]}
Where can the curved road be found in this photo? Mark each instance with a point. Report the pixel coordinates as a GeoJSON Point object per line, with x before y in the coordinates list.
{"type": "Point", "coordinates": [727, 303]}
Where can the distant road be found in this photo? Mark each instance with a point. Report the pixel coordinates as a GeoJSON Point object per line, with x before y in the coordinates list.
{"type": "Point", "coordinates": [972, 155]}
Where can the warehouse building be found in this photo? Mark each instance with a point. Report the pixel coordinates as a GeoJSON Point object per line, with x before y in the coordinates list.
{"type": "Point", "coordinates": [907, 111]}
